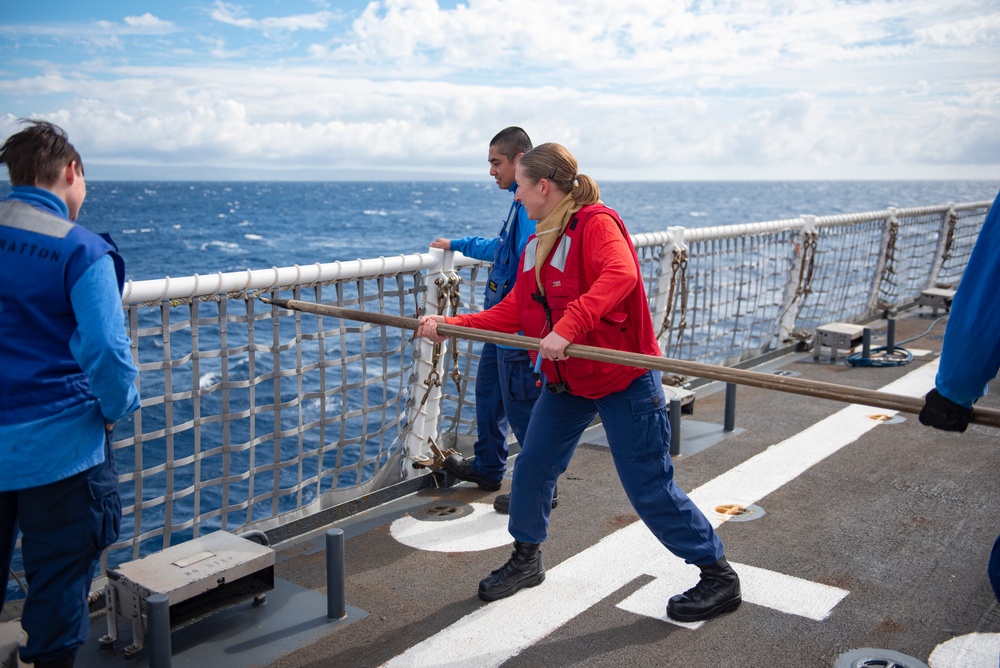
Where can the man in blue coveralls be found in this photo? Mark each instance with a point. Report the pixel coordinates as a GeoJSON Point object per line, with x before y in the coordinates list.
{"type": "Point", "coordinates": [970, 360]}
{"type": "Point", "coordinates": [66, 377]}
{"type": "Point", "coordinates": [505, 384]}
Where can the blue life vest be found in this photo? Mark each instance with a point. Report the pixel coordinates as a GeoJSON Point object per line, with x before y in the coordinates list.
{"type": "Point", "coordinates": [41, 258]}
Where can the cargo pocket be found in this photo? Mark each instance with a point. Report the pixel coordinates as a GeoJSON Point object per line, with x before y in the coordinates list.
{"type": "Point", "coordinates": [102, 484]}
{"type": "Point", "coordinates": [520, 376]}
{"type": "Point", "coordinates": [650, 429]}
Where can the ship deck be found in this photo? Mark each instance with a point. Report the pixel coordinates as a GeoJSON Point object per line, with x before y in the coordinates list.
{"type": "Point", "coordinates": [868, 534]}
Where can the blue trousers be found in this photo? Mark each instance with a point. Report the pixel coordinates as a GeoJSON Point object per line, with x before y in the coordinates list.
{"type": "Point", "coordinates": [638, 430]}
{"type": "Point", "coordinates": [65, 526]}
{"type": "Point", "coordinates": [505, 394]}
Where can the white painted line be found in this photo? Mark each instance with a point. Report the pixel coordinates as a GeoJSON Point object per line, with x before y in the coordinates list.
{"type": "Point", "coordinates": [588, 577]}
{"type": "Point", "coordinates": [760, 475]}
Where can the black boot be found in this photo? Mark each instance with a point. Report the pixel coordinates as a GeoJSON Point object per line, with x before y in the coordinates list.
{"type": "Point", "coordinates": [524, 569]}
{"type": "Point", "coordinates": [717, 592]}
{"type": "Point", "coordinates": [463, 469]}
{"type": "Point", "coordinates": [501, 504]}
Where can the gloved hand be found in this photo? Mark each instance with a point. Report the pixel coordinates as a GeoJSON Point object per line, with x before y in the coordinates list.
{"type": "Point", "coordinates": [943, 413]}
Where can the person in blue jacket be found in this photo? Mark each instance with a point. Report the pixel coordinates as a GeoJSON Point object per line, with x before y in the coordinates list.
{"type": "Point", "coordinates": [66, 377]}
{"type": "Point", "coordinates": [970, 360]}
{"type": "Point", "coordinates": [505, 384]}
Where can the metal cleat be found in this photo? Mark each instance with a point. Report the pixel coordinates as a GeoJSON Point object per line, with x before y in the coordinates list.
{"type": "Point", "coordinates": [435, 460]}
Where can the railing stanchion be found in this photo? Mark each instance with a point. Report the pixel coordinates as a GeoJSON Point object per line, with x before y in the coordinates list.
{"type": "Point", "coordinates": [730, 420]}
{"type": "Point", "coordinates": [158, 619]}
{"type": "Point", "coordinates": [675, 427]}
{"type": "Point", "coordinates": [336, 607]}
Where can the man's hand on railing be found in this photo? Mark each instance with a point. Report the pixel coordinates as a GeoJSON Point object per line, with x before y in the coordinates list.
{"type": "Point", "coordinates": [428, 328]}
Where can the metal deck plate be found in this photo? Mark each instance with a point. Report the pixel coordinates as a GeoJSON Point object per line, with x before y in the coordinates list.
{"type": "Point", "coordinates": [238, 637]}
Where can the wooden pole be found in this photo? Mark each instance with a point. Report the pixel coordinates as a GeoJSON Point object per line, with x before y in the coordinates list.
{"type": "Point", "coordinates": [803, 386]}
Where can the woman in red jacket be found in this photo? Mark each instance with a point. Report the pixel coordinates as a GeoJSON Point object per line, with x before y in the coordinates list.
{"type": "Point", "coordinates": [581, 283]}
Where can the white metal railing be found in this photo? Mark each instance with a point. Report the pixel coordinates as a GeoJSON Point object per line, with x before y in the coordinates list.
{"type": "Point", "coordinates": [253, 416]}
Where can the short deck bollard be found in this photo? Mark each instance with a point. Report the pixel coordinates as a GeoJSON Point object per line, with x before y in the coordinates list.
{"type": "Point", "coordinates": [336, 607]}
{"type": "Point", "coordinates": [675, 427]}
{"type": "Point", "coordinates": [730, 418]}
{"type": "Point", "coordinates": [158, 618]}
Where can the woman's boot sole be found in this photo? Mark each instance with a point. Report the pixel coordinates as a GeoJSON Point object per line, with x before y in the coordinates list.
{"type": "Point", "coordinates": [729, 606]}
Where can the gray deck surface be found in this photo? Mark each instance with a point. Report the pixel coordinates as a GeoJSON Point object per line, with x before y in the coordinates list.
{"type": "Point", "coordinates": [903, 519]}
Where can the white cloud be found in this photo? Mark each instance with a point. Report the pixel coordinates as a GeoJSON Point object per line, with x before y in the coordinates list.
{"type": "Point", "coordinates": [236, 15]}
{"type": "Point", "coordinates": [963, 32]}
{"type": "Point", "coordinates": [148, 22]}
{"type": "Point", "coordinates": [638, 89]}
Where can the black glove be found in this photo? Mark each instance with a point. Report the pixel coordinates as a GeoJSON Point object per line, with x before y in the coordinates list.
{"type": "Point", "coordinates": [943, 413]}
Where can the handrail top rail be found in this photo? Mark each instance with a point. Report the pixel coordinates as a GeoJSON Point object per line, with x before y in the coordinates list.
{"type": "Point", "coordinates": [190, 287]}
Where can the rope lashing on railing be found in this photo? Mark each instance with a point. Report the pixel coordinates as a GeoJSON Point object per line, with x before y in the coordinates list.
{"type": "Point", "coordinates": [810, 240]}
{"type": "Point", "coordinates": [950, 234]}
{"type": "Point", "coordinates": [448, 296]}
{"type": "Point", "coordinates": [803, 386]}
{"type": "Point", "coordinates": [678, 285]}
{"type": "Point", "coordinates": [889, 268]}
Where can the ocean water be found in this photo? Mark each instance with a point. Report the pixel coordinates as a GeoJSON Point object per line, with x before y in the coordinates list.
{"type": "Point", "coordinates": [167, 228]}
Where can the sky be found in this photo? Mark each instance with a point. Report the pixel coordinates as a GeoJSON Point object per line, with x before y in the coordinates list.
{"type": "Point", "coordinates": [415, 89]}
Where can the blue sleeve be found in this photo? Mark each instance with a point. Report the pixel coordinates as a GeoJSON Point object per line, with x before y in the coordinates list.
{"type": "Point", "coordinates": [525, 228]}
{"type": "Point", "coordinates": [478, 248]}
{"type": "Point", "coordinates": [970, 354]}
{"type": "Point", "coordinates": [99, 343]}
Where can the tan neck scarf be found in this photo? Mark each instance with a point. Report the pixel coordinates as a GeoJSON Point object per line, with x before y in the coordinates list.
{"type": "Point", "coordinates": [548, 230]}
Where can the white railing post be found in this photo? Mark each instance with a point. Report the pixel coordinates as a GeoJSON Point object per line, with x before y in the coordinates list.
{"type": "Point", "coordinates": [788, 312]}
{"type": "Point", "coordinates": [945, 238]}
{"type": "Point", "coordinates": [665, 275]}
{"type": "Point", "coordinates": [425, 410]}
{"type": "Point", "coordinates": [886, 246]}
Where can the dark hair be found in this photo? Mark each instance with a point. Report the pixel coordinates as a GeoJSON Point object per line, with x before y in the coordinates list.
{"type": "Point", "coordinates": [36, 154]}
{"type": "Point", "coordinates": [511, 141]}
{"type": "Point", "coordinates": [555, 163]}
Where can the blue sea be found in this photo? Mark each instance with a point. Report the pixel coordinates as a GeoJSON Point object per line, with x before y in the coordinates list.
{"type": "Point", "coordinates": [167, 228]}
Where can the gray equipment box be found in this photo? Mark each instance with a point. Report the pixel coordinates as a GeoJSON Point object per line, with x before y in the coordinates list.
{"type": "Point", "coordinates": [838, 336]}
{"type": "Point", "coordinates": [936, 298]}
{"type": "Point", "coordinates": [199, 577]}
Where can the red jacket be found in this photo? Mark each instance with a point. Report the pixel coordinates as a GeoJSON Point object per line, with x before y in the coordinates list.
{"type": "Point", "coordinates": [594, 290]}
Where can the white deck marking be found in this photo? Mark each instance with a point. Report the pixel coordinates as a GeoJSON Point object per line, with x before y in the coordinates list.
{"type": "Point", "coordinates": [482, 529]}
{"type": "Point", "coordinates": [975, 650]}
{"type": "Point", "coordinates": [777, 591]}
{"type": "Point", "coordinates": [586, 578]}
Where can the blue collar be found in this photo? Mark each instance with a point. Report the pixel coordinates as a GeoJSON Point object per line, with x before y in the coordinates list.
{"type": "Point", "coordinates": [513, 188]}
{"type": "Point", "coordinates": [40, 198]}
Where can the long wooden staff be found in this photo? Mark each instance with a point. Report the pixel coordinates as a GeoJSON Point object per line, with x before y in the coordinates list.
{"type": "Point", "coordinates": [809, 388]}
